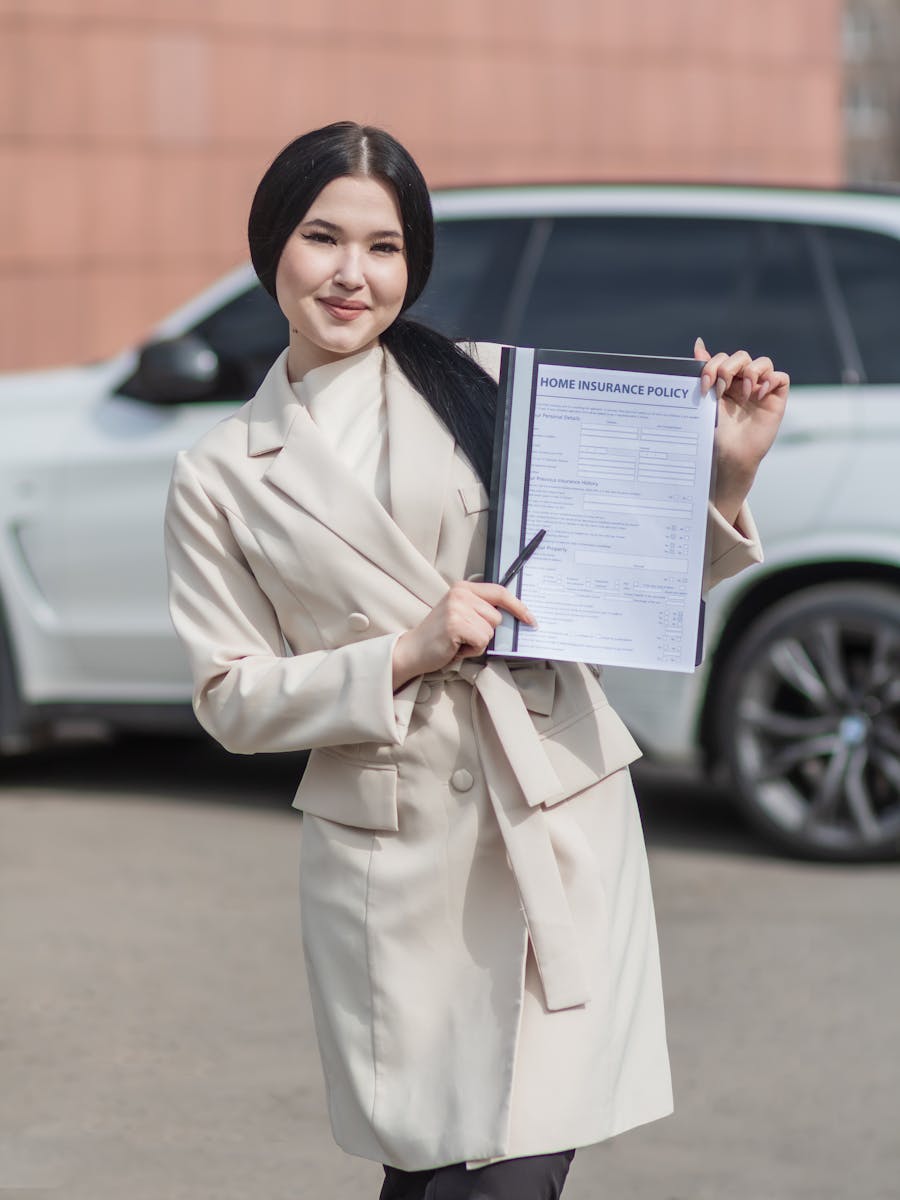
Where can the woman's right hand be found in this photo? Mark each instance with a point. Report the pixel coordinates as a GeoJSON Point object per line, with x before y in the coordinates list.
{"type": "Point", "coordinates": [459, 626]}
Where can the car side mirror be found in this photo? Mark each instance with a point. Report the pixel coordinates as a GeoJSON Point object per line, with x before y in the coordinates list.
{"type": "Point", "coordinates": [176, 369]}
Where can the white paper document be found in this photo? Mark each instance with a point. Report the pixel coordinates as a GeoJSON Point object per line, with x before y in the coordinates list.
{"type": "Point", "coordinates": [611, 456]}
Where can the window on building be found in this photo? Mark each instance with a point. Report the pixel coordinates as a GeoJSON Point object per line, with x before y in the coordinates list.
{"type": "Point", "coordinates": [865, 110]}
{"type": "Point", "coordinates": [858, 33]}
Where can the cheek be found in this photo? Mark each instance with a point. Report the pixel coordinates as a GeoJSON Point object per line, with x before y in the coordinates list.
{"type": "Point", "coordinates": [296, 273]}
{"type": "Point", "coordinates": [392, 283]}
{"type": "Point", "coordinates": [285, 287]}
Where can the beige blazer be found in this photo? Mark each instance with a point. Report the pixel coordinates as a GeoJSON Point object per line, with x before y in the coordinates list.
{"type": "Point", "coordinates": [289, 586]}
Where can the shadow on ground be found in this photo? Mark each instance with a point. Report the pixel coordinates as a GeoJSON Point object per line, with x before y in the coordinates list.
{"type": "Point", "coordinates": [162, 767]}
{"type": "Point", "coordinates": [677, 809]}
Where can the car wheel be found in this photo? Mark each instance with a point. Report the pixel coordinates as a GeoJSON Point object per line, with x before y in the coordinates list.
{"type": "Point", "coordinates": [809, 721]}
{"type": "Point", "coordinates": [14, 734]}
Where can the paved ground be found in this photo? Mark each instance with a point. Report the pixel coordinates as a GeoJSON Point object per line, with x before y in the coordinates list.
{"type": "Point", "coordinates": [155, 1036]}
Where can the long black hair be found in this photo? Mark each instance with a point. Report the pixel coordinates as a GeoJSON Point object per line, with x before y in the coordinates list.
{"type": "Point", "coordinates": [461, 394]}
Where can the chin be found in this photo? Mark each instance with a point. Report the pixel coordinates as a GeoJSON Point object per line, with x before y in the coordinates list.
{"type": "Point", "coordinates": [347, 344]}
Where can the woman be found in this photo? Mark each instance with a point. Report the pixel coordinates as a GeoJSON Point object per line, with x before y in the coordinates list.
{"type": "Point", "coordinates": [477, 918]}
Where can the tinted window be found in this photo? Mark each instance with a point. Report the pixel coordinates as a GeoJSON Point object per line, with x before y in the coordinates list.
{"type": "Point", "coordinates": [782, 311]}
{"type": "Point", "coordinates": [247, 334]}
{"type": "Point", "coordinates": [641, 285]}
{"type": "Point", "coordinates": [868, 270]}
{"type": "Point", "coordinates": [474, 273]}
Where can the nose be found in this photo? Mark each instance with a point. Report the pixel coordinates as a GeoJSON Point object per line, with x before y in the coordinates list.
{"type": "Point", "coordinates": [349, 272]}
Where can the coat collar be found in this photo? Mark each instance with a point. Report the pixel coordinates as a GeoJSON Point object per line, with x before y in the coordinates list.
{"type": "Point", "coordinates": [272, 410]}
{"type": "Point", "coordinates": [306, 469]}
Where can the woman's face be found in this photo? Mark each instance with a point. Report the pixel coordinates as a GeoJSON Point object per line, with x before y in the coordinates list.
{"type": "Point", "coordinates": [341, 278]}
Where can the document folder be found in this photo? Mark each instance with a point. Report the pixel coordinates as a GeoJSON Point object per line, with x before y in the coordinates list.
{"type": "Point", "coordinates": [612, 455]}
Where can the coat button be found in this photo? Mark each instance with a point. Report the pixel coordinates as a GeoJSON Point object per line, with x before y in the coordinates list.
{"type": "Point", "coordinates": [478, 577]}
{"type": "Point", "coordinates": [462, 780]}
{"type": "Point", "coordinates": [424, 693]}
{"type": "Point", "coordinates": [358, 622]}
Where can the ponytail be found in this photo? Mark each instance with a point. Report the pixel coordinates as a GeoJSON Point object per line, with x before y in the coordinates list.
{"type": "Point", "coordinates": [460, 392]}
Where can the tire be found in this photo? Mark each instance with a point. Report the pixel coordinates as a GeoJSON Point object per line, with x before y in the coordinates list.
{"type": "Point", "coordinates": [808, 722]}
{"type": "Point", "coordinates": [14, 736]}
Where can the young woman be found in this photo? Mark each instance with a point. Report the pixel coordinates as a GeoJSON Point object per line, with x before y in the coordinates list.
{"type": "Point", "coordinates": [477, 919]}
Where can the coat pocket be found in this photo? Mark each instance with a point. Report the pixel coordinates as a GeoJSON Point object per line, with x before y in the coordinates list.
{"type": "Point", "coordinates": [587, 748]}
{"type": "Point", "coordinates": [348, 791]}
{"type": "Point", "coordinates": [474, 498]}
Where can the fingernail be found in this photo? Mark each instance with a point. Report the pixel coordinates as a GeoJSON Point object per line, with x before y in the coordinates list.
{"type": "Point", "coordinates": [763, 388]}
{"type": "Point", "coordinates": [748, 388]}
{"type": "Point", "coordinates": [705, 384]}
{"type": "Point", "coordinates": [721, 387]}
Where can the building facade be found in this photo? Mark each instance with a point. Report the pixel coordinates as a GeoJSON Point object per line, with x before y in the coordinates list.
{"type": "Point", "coordinates": [871, 57]}
{"type": "Point", "coordinates": [132, 135]}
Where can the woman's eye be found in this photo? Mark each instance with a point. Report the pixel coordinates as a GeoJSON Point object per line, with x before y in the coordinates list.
{"type": "Point", "coordinates": [318, 237]}
{"type": "Point", "coordinates": [389, 247]}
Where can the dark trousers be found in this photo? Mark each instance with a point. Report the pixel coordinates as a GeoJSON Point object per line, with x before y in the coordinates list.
{"type": "Point", "coordinates": [539, 1177]}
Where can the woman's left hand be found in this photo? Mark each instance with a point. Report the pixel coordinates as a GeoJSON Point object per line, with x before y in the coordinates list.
{"type": "Point", "coordinates": [752, 398]}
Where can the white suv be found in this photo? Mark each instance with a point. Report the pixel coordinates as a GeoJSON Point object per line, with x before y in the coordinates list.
{"type": "Point", "coordinates": [800, 692]}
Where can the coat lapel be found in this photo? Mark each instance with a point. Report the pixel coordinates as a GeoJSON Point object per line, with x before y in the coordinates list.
{"type": "Point", "coordinates": [307, 470]}
{"type": "Point", "coordinates": [420, 450]}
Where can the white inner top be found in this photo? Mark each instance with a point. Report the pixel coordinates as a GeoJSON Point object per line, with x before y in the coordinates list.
{"type": "Point", "coordinates": [346, 401]}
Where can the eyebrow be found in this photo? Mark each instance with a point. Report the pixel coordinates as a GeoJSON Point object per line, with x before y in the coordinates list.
{"type": "Point", "coordinates": [332, 228]}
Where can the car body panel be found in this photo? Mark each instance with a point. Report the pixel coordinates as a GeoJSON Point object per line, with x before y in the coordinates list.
{"type": "Point", "coordinates": [84, 470]}
{"type": "Point", "coordinates": [84, 474]}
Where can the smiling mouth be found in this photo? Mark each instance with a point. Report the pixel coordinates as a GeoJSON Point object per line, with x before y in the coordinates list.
{"type": "Point", "coordinates": [343, 310]}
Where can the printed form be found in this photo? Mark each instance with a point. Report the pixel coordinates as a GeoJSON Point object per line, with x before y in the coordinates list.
{"type": "Point", "coordinates": [615, 465]}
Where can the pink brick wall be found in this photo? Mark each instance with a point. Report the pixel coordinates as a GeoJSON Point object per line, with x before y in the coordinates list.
{"type": "Point", "coordinates": [133, 133]}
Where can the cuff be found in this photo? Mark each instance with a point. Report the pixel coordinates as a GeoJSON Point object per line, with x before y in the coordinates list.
{"type": "Point", "coordinates": [403, 700]}
{"type": "Point", "coordinates": [731, 547]}
{"type": "Point", "coordinates": [384, 718]}
{"type": "Point", "coordinates": [404, 703]}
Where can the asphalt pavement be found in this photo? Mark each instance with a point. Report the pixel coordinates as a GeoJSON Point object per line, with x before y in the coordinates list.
{"type": "Point", "coordinates": [156, 1040]}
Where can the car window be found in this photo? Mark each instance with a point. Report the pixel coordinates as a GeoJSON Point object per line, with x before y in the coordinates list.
{"type": "Point", "coordinates": [472, 278]}
{"type": "Point", "coordinates": [650, 285]}
{"type": "Point", "coordinates": [247, 334]}
{"type": "Point", "coordinates": [867, 266]}
{"type": "Point", "coordinates": [782, 311]}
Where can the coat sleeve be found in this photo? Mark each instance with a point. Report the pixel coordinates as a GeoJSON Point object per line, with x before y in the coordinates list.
{"type": "Point", "coordinates": [250, 693]}
{"type": "Point", "coordinates": [731, 547]}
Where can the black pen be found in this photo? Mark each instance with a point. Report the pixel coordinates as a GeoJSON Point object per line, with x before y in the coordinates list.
{"type": "Point", "coordinates": [521, 559]}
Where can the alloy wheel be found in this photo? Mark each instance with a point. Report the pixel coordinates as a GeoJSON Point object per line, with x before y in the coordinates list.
{"type": "Point", "coordinates": [810, 721]}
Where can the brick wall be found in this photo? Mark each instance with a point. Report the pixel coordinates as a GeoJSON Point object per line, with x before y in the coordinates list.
{"type": "Point", "coordinates": [132, 133]}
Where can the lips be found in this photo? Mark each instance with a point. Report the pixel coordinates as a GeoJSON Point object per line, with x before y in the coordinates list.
{"type": "Point", "coordinates": [342, 310]}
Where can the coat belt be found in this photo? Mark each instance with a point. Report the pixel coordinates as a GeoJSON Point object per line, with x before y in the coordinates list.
{"type": "Point", "coordinates": [502, 723]}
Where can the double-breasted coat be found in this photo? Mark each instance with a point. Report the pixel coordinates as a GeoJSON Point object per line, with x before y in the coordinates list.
{"type": "Point", "coordinates": [477, 917]}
